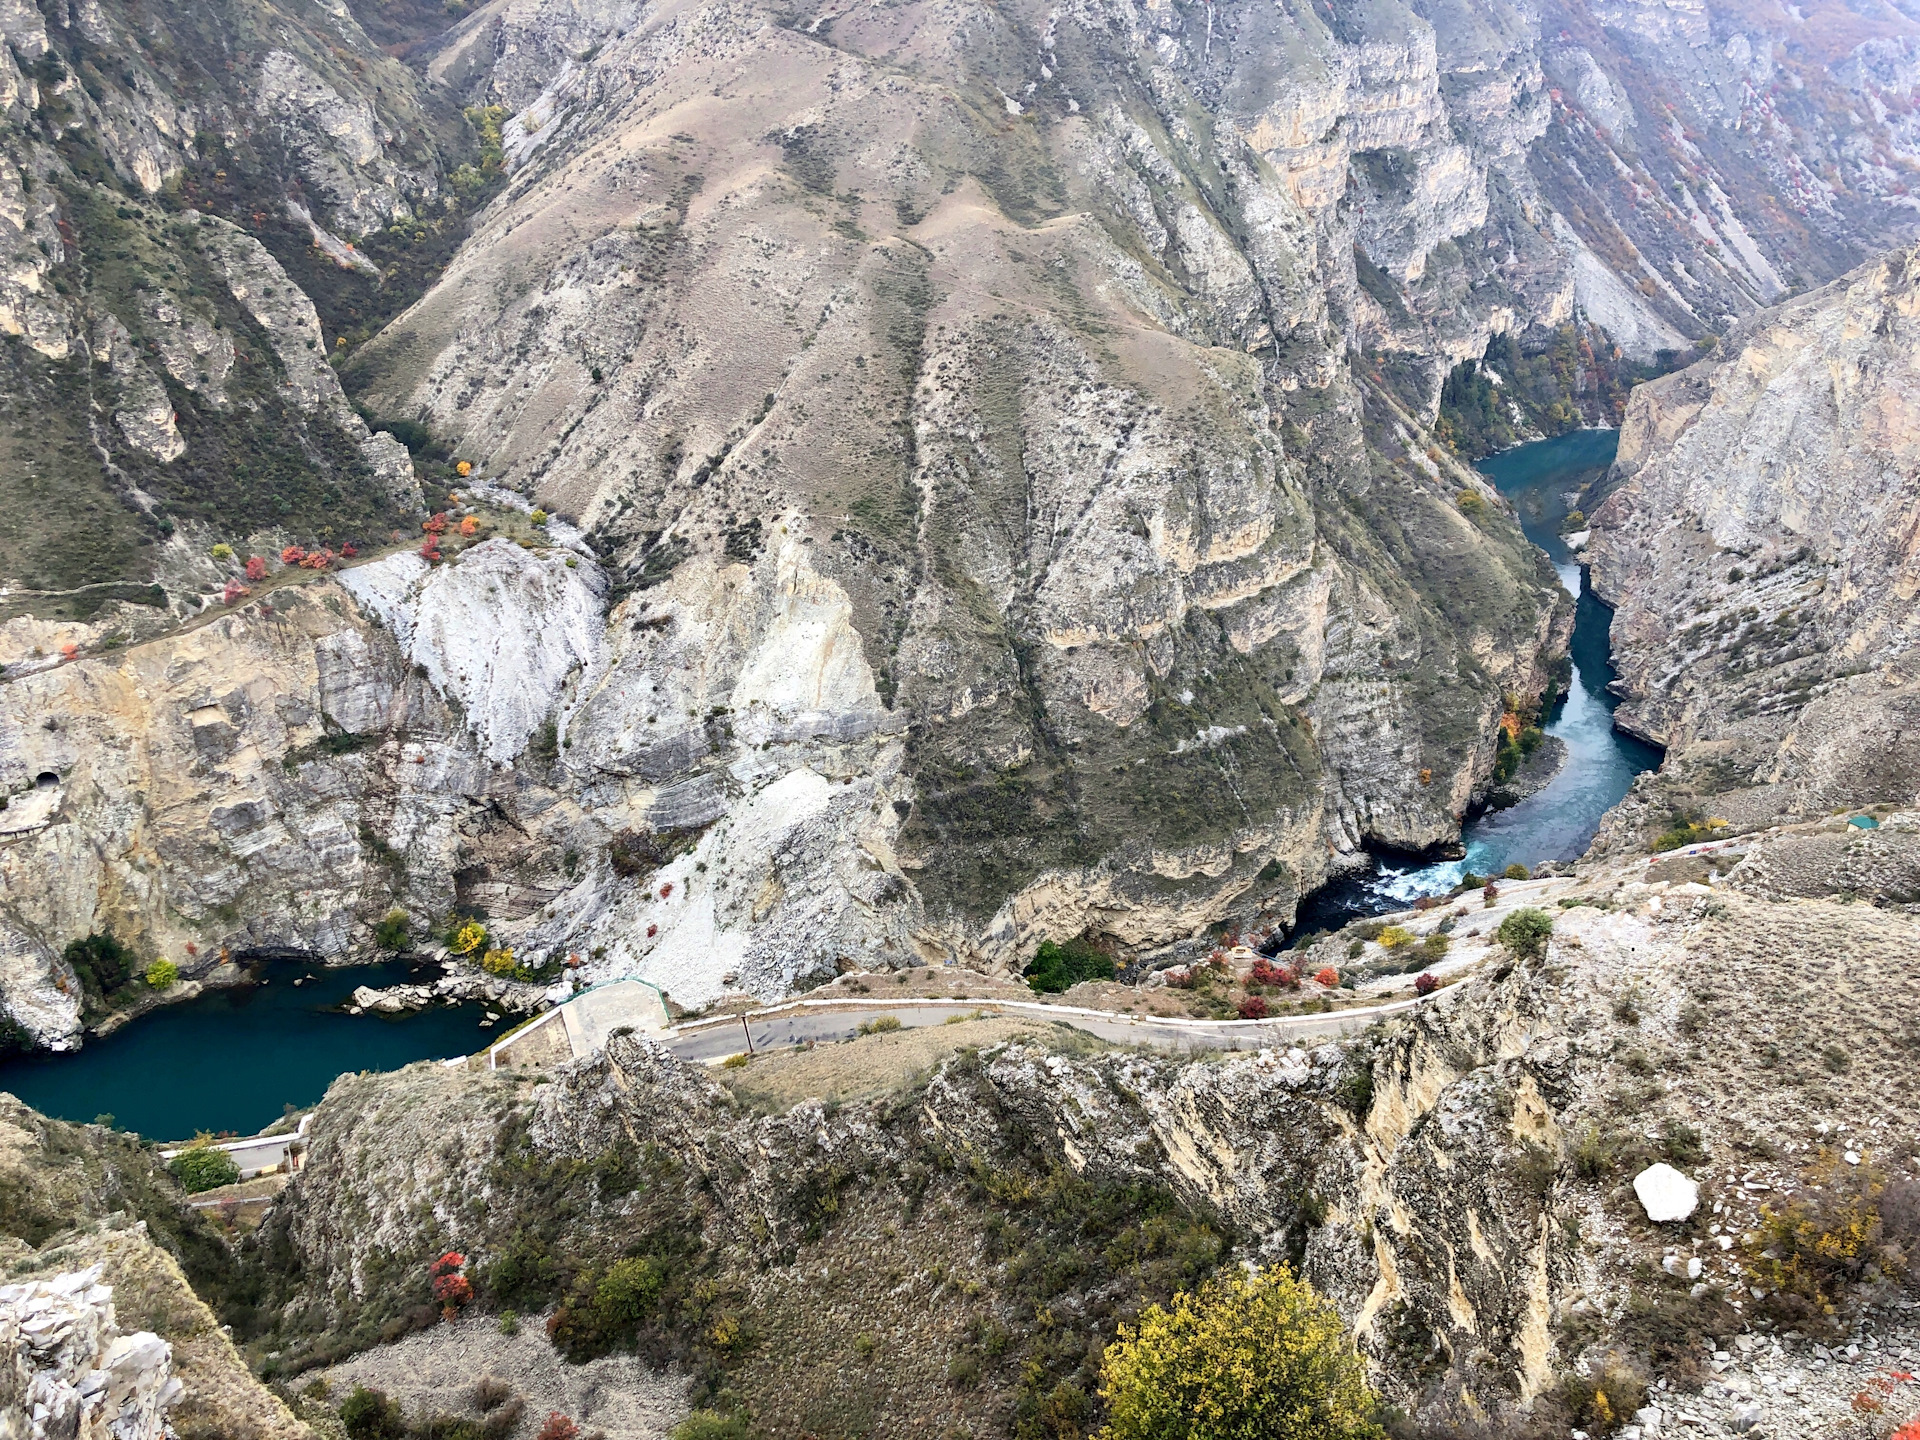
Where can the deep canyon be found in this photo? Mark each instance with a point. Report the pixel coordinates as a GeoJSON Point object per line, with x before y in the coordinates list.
{"type": "Point", "coordinates": [768, 499]}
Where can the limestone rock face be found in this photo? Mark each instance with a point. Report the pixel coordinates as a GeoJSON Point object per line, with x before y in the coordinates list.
{"type": "Point", "coordinates": [1757, 545]}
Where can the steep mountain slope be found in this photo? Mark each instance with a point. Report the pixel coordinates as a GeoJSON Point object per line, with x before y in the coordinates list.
{"type": "Point", "coordinates": [995, 541]}
{"type": "Point", "coordinates": [1758, 542]}
{"type": "Point", "coordinates": [165, 379]}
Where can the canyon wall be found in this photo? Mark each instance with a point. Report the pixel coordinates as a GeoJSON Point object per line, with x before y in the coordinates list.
{"type": "Point", "coordinates": [1758, 543]}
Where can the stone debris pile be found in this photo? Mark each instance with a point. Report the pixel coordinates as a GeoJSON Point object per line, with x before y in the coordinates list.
{"type": "Point", "coordinates": [67, 1371]}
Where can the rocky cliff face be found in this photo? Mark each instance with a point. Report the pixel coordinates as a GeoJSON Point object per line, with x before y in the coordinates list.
{"type": "Point", "coordinates": [1457, 1181]}
{"type": "Point", "coordinates": [1757, 541]}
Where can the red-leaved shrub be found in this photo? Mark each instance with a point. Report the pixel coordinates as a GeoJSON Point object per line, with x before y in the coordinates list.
{"type": "Point", "coordinates": [1327, 976]}
{"type": "Point", "coordinates": [1426, 984]}
{"type": "Point", "coordinates": [292, 555]}
{"type": "Point", "coordinates": [558, 1427]}
{"type": "Point", "coordinates": [1254, 1007]}
{"type": "Point", "coordinates": [256, 568]}
{"type": "Point", "coordinates": [1265, 972]}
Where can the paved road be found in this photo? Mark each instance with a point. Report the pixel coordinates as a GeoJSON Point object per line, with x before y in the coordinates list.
{"type": "Point", "coordinates": [820, 1020]}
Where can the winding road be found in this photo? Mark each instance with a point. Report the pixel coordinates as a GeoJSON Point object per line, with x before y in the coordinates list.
{"type": "Point", "coordinates": [821, 1020]}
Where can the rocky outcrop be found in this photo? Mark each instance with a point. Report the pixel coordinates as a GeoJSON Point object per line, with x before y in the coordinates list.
{"type": "Point", "coordinates": [94, 1236]}
{"type": "Point", "coordinates": [69, 1370]}
{"type": "Point", "coordinates": [1757, 543]}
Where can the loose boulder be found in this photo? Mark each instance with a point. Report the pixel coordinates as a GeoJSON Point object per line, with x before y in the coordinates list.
{"type": "Point", "coordinates": [1665, 1193]}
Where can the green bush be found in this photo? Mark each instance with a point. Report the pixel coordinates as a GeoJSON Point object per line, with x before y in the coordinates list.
{"type": "Point", "coordinates": [162, 975]}
{"type": "Point", "coordinates": [627, 1294]}
{"type": "Point", "coordinates": [1525, 933]}
{"type": "Point", "coordinates": [1059, 967]}
{"type": "Point", "coordinates": [102, 962]}
{"type": "Point", "coordinates": [1517, 872]}
{"type": "Point", "coordinates": [393, 933]}
{"type": "Point", "coordinates": [880, 1025]}
{"type": "Point", "coordinates": [370, 1415]}
{"type": "Point", "coordinates": [201, 1167]}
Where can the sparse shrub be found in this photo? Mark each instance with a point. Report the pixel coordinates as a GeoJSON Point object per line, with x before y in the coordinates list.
{"type": "Point", "coordinates": [1626, 1006]}
{"type": "Point", "coordinates": [1244, 1357]}
{"type": "Point", "coordinates": [737, 1062]}
{"type": "Point", "coordinates": [712, 1425]}
{"type": "Point", "coordinates": [1601, 1403]}
{"type": "Point", "coordinates": [203, 1166]}
{"type": "Point", "coordinates": [162, 975]}
{"type": "Point", "coordinates": [1825, 1237]}
{"type": "Point", "coordinates": [963, 1371]}
{"type": "Point", "coordinates": [1525, 933]}
{"type": "Point", "coordinates": [509, 1323]}
{"type": "Point", "coordinates": [393, 932]}
{"type": "Point", "coordinates": [880, 1025]}
{"type": "Point", "coordinates": [1680, 1144]}
{"type": "Point", "coordinates": [1594, 1153]}
{"type": "Point", "coordinates": [1395, 936]}
{"type": "Point", "coordinates": [450, 1288]}
{"type": "Point", "coordinates": [490, 1392]}
{"type": "Point", "coordinates": [1471, 503]}
{"type": "Point", "coordinates": [1434, 948]}
{"type": "Point", "coordinates": [1058, 967]}
{"type": "Point", "coordinates": [1517, 871]}
{"type": "Point", "coordinates": [370, 1415]}
{"type": "Point", "coordinates": [1535, 1169]}
{"type": "Point", "coordinates": [1425, 984]}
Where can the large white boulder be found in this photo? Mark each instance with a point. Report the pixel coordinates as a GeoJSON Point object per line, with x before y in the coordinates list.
{"type": "Point", "coordinates": [1665, 1193]}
